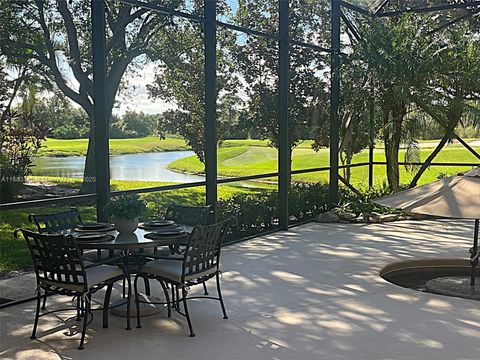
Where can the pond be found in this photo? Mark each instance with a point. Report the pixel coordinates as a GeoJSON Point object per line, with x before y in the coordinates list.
{"type": "Point", "coordinates": [142, 167]}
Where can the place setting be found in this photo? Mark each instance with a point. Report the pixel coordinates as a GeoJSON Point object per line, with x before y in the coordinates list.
{"type": "Point", "coordinates": [93, 237]}
{"type": "Point", "coordinates": [93, 232]}
{"type": "Point", "coordinates": [93, 227]}
{"type": "Point", "coordinates": [158, 224]}
{"type": "Point", "coordinates": [159, 229]}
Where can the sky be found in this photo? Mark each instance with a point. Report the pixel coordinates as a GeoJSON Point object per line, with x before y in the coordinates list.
{"type": "Point", "coordinates": [139, 100]}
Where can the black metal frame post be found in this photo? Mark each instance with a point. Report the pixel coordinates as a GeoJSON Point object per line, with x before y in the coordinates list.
{"type": "Point", "coordinates": [474, 252]}
{"type": "Point", "coordinates": [334, 101]}
{"type": "Point", "coordinates": [282, 115]}
{"type": "Point", "coordinates": [102, 158]}
{"type": "Point", "coordinates": [210, 40]}
{"type": "Point", "coordinates": [371, 148]}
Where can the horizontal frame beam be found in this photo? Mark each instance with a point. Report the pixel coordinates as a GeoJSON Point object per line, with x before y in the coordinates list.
{"type": "Point", "coordinates": [170, 12]}
{"type": "Point", "coordinates": [356, 8]}
{"type": "Point", "coordinates": [44, 202]}
{"type": "Point", "coordinates": [433, 163]}
{"type": "Point", "coordinates": [453, 21]}
{"type": "Point", "coordinates": [247, 30]}
{"type": "Point", "coordinates": [162, 10]}
{"type": "Point", "coordinates": [91, 197]}
{"type": "Point", "coordinates": [445, 7]}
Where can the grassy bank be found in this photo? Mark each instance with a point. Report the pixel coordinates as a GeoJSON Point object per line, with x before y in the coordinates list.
{"type": "Point", "coordinates": [14, 254]}
{"type": "Point", "coordinates": [78, 147]}
{"type": "Point", "coordinates": [250, 160]}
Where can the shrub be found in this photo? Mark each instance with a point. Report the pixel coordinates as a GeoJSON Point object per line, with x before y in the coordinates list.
{"type": "Point", "coordinates": [255, 213]}
{"type": "Point", "coordinates": [127, 207]}
{"type": "Point", "coordinates": [259, 212]}
{"type": "Point", "coordinates": [350, 202]}
{"type": "Point", "coordinates": [21, 137]}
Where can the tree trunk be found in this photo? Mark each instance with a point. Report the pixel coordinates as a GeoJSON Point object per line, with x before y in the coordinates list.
{"type": "Point", "coordinates": [88, 183]}
{"type": "Point", "coordinates": [393, 136]}
{"type": "Point", "coordinates": [346, 158]}
{"type": "Point", "coordinates": [428, 161]}
{"type": "Point", "coordinates": [18, 82]}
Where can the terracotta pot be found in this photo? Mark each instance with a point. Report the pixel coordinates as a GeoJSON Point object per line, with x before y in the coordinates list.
{"type": "Point", "coordinates": [125, 226]}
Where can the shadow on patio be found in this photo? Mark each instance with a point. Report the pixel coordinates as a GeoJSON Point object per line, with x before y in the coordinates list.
{"type": "Point", "coordinates": [313, 292]}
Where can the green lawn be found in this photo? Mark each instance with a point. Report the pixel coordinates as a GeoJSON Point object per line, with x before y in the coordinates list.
{"type": "Point", "coordinates": [14, 254]}
{"type": "Point", "coordinates": [78, 147]}
{"type": "Point", "coordinates": [235, 158]}
{"type": "Point", "coordinates": [250, 160]}
{"type": "Point", "coordinates": [56, 147]}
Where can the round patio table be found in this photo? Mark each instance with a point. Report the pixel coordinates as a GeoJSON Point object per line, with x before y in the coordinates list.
{"type": "Point", "coordinates": [135, 241]}
{"type": "Point", "coordinates": [131, 245]}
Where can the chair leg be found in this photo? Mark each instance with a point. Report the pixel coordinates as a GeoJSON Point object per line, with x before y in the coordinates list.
{"type": "Point", "coordinates": [167, 298]}
{"type": "Point", "coordinates": [205, 291]}
{"type": "Point", "coordinates": [78, 309]}
{"type": "Point", "coordinates": [178, 297]}
{"type": "Point", "coordinates": [85, 320]}
{"type": "Point", "coordinates": [129, 297]}
{"type": "Point", "coordinates": [82, 307]}
{"type": "Point", "coordinates": [106, 304]}
{"type": "Point", "coordinates": [137, 301]}
{"type": "Point", "coordinates": [37, 315]}
{"type": "Point", "coordinates": [220, 296]}
{"type": "Point", "coordinates": [44, 305]}
{"type": "Point", "coordinates": [147, 286]}
{"type": "Point", "coordinates": [187, 315]}
{"type": "Point", "coordinates": [174, 301]}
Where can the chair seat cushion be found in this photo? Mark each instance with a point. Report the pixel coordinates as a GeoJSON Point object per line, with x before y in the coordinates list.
{"type": "Point", "coordinates": [172, 270]}
{"type": "Point", "coordinates": [101, 273]}
{"type": "Point", "coordinates": [95, 275]}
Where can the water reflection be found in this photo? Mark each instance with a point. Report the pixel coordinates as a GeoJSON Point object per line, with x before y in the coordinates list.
{"type": "Point", "coordinates": [143, 167]}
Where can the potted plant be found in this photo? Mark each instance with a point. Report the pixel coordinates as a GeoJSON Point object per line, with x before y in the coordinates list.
{"type": "Point", "coordinates": [125, 211]}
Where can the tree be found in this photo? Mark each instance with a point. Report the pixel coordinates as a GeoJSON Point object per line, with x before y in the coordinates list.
{"type": "Point", "coordinates": [355, 106]}
{"type": "Point", "coordinates": [55, 35]}
{"type": "Point", "coordinates": [181, 79]}
{"type": "Point", "coordinates": [455, 88]}
{"type": "Point", "coordinates": [21, 136]}
{"type": "Point", "coordinates": [133, 125]}
{"type": "Point", "coordinates": [64, 120]}
{"type": "Point", "coordinates": [257, 62]}
{"type": "Point", "coordinates": [399, 58]}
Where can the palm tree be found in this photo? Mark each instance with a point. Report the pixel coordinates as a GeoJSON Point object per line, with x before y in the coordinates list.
{"type": "Point", "coordinates": [453, 95]}
{"type": "Point", "coordinates": [398, 57]}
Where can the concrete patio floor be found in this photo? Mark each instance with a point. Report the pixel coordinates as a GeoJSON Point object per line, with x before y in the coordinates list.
{"type": "Point", "coordinates": [313, 292]}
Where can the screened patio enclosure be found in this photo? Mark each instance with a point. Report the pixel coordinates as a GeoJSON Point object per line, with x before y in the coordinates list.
{"type": "Point", "coordinates": [341, 19]}
{"type": "Point", "coordinates": [451, 13]}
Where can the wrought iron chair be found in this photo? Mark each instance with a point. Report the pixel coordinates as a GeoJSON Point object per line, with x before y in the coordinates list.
{"type": "Point", "coordinates": [182, 215]}
{"type": "Point", "coordinates": [200, 262]}
{"type": "Point", "coordinates": [188, 215]}
{"type": "Point", "coordinates": [60, 269]}
{"type": "Point", "coordinates": [55, 222]}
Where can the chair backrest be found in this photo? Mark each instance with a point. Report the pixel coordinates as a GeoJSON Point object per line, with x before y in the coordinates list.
{"type": "Point", "coordinates": [57, 260]}
{"type": "Point", "coordinates": [202, 253]}
{"type": "Point", "coordinates": [54, 222]}
{"type": "Point", "coordinates": [188, 215]}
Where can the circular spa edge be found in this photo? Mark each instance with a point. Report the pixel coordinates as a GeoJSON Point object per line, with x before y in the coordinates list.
{"type": "Point", "coordinates": [449, 277]}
